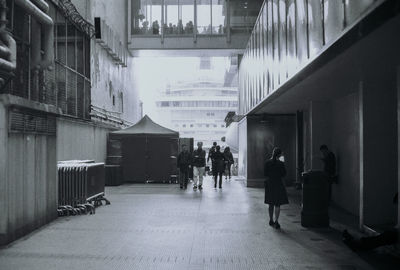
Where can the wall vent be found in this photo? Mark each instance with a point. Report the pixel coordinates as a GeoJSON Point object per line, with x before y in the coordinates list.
{"type": "Point", "coordinates": [28, 122]}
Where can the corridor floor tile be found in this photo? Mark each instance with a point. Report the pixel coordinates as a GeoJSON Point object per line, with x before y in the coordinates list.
{"type": "Point", "coordinates": [162, 227]}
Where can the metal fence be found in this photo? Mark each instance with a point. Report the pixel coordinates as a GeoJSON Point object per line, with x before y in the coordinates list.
{"type": "Point", "coordinates": [80, 182]}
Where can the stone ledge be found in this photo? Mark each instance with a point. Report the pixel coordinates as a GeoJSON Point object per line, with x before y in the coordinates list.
{"type": "Point", "coordinates": [15, 101]}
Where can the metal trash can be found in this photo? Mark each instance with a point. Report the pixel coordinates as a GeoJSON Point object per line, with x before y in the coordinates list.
{"type": "Point", "coordinates": [315, 203]}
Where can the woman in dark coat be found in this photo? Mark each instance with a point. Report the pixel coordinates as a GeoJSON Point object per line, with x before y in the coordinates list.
{"type": "Point", "coordinates": [218, 166]}
{"type": "Point", "coordinates": [275, 192]}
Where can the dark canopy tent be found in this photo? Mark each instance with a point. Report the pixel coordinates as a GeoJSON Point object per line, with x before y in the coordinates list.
{"type": "Point", "coordinates": [148, 151]}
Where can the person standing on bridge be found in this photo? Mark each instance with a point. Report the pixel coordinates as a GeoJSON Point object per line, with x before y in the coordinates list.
{"type": "Point", "coordinates": [275, 192]}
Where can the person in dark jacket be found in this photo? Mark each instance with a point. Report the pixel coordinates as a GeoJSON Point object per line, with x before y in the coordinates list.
{"type": "Point", "coordinates": [211, 153]}
{"type": "Point", "coordinates": [275, 192]}
{"type": "Point", "coordinates": [198, 163]}
{"type": "Point", "coordinates": [228, 161]}
{"type": "Point", "coordinates": [184, 163]}
{"type": "Point", "coordinates": [218, 166]}
{"type": "Point", "coordinates": [329, 161]}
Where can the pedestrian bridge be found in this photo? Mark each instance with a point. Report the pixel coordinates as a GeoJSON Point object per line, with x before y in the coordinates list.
{"type": "Point", "coordinates": [190, 25]}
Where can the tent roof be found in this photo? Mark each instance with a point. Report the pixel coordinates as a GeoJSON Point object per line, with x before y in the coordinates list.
{"type": "Point", "coordinates": [146, 126]}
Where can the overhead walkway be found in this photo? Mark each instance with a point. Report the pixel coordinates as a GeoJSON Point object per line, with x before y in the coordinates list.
{"type": "Point", "coordinates": [219, 28]}
{"type": "Point", "coordinates": [163, 227]}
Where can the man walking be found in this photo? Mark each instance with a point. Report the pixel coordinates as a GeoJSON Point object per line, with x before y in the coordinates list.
{"type": "Point", "coordinates": [211, 152]}
{"type": "Point", "coordinates": [184, 160]}
{"type": "Point", "coordinates": [199, 163]}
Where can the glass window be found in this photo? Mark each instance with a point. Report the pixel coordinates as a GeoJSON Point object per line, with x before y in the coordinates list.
{"type": "Point", "coordinates": [178, 17]}
{"type": "Point", "coordinates": [87, 56]}
{"type": "Point", "coordinates": [270, 57]}
{"type": "Point", "coordinates": [187, 17]}
{"type": "Point", "coordinates": [71, 92]}
{"type": "Point", "coordinates": [204, 17]}
{"type": "Point", "coordinates": [282, 40]}
{"type": "Point", "coordinates": [301, 24]}
{"type": "Point", "coordinates": [259, 60]}
{"type": "Point", "coordinates": [354, 9]}
{"type": "Point", "coordinates": [61, 33]}
{"type": "Point", "coordinates": [218, 21]}
{"type": "Point", "coordinates": [333, 19]}
{"type": "Point", "coordinates": [265, 50]}
{"type": "Point", "coordinates": [291, 37]}
{"type": "Point", "coordinates": [275, 16]}
{"type": "Point", "coordinates": [315, 30]}
{"type": "Point", "coordinates": [243, 15]}
{"type": "Point", "coordinates": [146, 17]}
{"type": "Point", "coordinates": [71, 53]}
{"type": "Point", "coordinates": [172, 23]}
{"type": "Point", "coordinates": [80, 52]}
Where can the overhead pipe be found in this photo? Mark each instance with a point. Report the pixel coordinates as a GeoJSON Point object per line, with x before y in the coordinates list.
{"type": "Point", "coordinates": [47, 60]}
{"type": "Point", "coordinates": [8, 52]}
{"type": "Point", "coordinates": [8, 47]}
{"type": "Point", "coordinates": [42, 5]}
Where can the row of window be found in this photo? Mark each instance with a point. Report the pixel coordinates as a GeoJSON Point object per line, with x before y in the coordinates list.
{"type": "Point", "coordinates": [177, 17]}
{"type": "Point", "coordinates": [67, 85]}
{"type": "Point", "coordinates": [198, 125]}
{"type": "Point", "coordinates": [287, 34]}
{"type": "Point", "coordinates": [197, 104]}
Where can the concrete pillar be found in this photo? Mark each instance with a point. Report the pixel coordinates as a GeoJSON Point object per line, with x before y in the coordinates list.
{"type": "Point", "coordinates": [398, 144]}
{"type": "Point", "coordinates": [320, 130]}
{"type": "Point", "coordinates": [3, 173]}
{"type": "Point", "coordinates": [242, 156]}
{"type": "Point", "coordinates": [380, 148]}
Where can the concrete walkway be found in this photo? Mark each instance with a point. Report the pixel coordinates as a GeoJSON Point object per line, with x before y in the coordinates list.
{"type": "Point", "coordinates": [162, 227]}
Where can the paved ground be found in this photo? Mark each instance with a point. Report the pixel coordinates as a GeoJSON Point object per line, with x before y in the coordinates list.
{"type": "Point", "coordinates": [163, 227]}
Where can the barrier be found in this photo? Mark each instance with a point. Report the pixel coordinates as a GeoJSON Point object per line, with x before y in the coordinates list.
{"type": "Point", "coordinates": [81, 187]}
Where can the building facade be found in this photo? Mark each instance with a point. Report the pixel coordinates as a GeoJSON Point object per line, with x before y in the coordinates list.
{"type": "Point", "coordinates": [326, 72]}
{"type": "Point", "coordinates": [61, 93]}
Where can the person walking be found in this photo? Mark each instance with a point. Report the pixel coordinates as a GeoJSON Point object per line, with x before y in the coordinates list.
{"type": "Point", "coordinates": [218, 166]}
{"type": "Point", "coordinates": [198, 163]}
{"type": "Point", "coordinates": [228, 161]}
{"type": "Point", "coordinates": [275, 192]}
{"type": "Point", "coordinates": [211, 153]}
{"type": "Point", "coordinates": [184, 160]}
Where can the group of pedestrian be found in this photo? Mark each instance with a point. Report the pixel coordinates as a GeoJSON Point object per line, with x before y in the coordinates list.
{"type": "Point", "coordinates": [274, 171]}
{"type": "Point", "coordinates": [221, 163]}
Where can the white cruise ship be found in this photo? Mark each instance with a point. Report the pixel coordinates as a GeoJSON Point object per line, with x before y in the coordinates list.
{"type": "Point", "coordinates": [197, 109]}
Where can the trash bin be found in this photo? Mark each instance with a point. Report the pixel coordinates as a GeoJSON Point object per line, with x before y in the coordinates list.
{"type": "Point", "coordinates": [315, 204]}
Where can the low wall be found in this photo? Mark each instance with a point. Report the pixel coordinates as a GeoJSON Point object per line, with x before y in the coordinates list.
{"type": "Point", "coordinates": [28, 180]}
{"type": "Point", "coordinates": [81, 140]}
